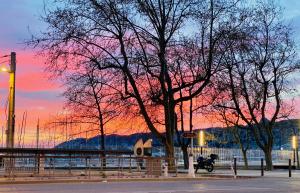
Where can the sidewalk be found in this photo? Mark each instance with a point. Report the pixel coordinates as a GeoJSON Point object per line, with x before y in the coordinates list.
{"type": "Point", "coordinates": [278, 173]}
{"type": "Point", "coordinates": [181, 176]}
{"type": "Point", "coordinates": [38, 180]}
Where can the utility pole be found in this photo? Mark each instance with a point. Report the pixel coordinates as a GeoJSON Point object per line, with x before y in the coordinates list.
{"type": "Point", "coordinates": [38, 133]}
{"type": "Point", "coordinates": [11, 106]}
{"type": "Point", "coordinates": [67, 130]}
{"type": "Point", "coordinates": [2, 139]}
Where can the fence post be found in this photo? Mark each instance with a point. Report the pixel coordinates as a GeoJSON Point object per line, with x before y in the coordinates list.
{"type": "Point", "coordinates": [234, 166]}
{"type": "Point", "coordinates": [290, 168]}
{"type": "Point", "coordinates": [53, 166]}
{"type": "Point", "coordinates": [36, 167]}
{"type": "Point", "coordinates": [176, 167]}
{"type": "Point", "coordinates": [119, 166]}
{"type": "Point", "coordinates": [130, 163]}
{"type": "Point", "coordinates": [89, 165]}
{"type": "Point", "coordinates": [262, 166]}
{"type": "Point", "coordinates": [70, 165]}
{"type": "Point", "coordinates": [86, 167]}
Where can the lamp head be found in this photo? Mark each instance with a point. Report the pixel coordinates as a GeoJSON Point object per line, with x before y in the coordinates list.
{"type": "Point", "coordinates": [294, 142]}
{"type": "Point", "coordinates": [4, 69]}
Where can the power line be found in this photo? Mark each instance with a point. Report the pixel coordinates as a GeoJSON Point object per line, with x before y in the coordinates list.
{"type": "Point", "coordinates": [4, 56]}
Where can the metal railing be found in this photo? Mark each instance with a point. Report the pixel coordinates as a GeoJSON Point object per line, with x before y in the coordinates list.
{"type": "Point", "coordinates": [226, 155]}
{"type": "Point", "coordinates": [86, 164]}
{"type": "Point", "coordinates": [53, 163]}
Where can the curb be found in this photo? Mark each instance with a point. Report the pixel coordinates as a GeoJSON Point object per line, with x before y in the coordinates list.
{"type": "Point", "coordinates": [59, 181]}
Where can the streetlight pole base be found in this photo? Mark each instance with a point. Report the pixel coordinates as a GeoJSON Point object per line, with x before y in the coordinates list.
{"type": "Point", "coordinates": [191, 172]}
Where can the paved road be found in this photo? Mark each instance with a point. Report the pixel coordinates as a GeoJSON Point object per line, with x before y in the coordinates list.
{"type": "Point", "coordinates": [265, 185]}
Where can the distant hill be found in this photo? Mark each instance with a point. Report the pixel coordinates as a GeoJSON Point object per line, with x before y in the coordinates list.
{"type": "Point", "coordinates": [113, 142]}
{"type": "Point", "coordinates": [219, 137]}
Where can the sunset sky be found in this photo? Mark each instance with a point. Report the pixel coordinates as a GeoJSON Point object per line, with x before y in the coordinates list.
{"type": "Point", "coordinates": [36, 94]}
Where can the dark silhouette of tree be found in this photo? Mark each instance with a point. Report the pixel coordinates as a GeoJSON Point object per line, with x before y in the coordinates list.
{"type": "Point", "coordinates": [91, 100]}
{"type": "Point", "coordinates": [141, 46]}
{"type": "Point", "coordinates": [241, 134]}
{"type": "Point", "coordinates": [260, 57]}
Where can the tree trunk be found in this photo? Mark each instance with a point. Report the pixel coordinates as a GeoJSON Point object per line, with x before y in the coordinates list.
{"type": "Point", "coordinates": [245, 158]}
{"type": "Point", "coordinates": [103, 149]}
{"type": "Point", "coordinates": [102, 141]}
{"type": "Point", "coordinates": [185, 156]}
{"type": "Point", "coordinates": [170, 156]}
{"type": "Point", "coordinates": [170, 125]}
{"type": "Point", "coordinates": [183, 145]}
{"type": "Point", "coordinates": [268, 158]}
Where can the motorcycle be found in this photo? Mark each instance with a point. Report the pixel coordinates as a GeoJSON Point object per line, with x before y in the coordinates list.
{"type": "Point", "coordinates": [206, 163]}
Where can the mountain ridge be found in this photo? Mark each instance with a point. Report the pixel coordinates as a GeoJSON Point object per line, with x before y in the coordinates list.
{"type": "Point", "coordinates": [222, 138]}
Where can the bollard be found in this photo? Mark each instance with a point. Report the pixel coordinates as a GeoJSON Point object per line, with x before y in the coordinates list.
{"type": "Point", "coordinates": [234, 166]}
{"type": "Point", "coordinates": [165, 168]}
{"type": "Point", "coordinates": [191, 171]}
{"type": "Point", "coordinates": [262, 166]}
{"type": "Point", "coordinates": [290, 168]}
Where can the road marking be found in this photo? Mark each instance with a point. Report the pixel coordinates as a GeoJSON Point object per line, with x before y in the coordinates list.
{"type": "Point", "coordinates": [204, 189]}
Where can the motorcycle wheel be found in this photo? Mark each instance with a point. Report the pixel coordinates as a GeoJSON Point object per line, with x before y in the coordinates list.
{"type": "Point", "coordinates": [196, 170]}
{"type": "Point", "coordinates": [210, 167]}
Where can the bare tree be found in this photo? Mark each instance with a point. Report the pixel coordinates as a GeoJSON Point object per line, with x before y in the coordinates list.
{"type": "Point", "coordinates": [90, 99]}
{"type": "Point", "coordinates": [260, 57]}
{"type": "Point", "coordinates": [134, 42]}
{"type": "Point", "coordinates": [240, 133]}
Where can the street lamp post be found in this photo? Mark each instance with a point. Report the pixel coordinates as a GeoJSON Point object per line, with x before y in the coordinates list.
{"type": "Point", "coordinates": [295, 149]}
{"type": "Point", "coordinates": [11, 105]}
{"type": "Point", "coordinates": [191, 171]}
{"type": "Point", "coordinates": [201, 140]}
{"type": "Point", "coordinates": [191, 135]}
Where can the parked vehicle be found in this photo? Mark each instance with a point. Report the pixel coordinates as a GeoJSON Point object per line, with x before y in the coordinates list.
{"type": "Point", "coordinates": [206, 163]}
